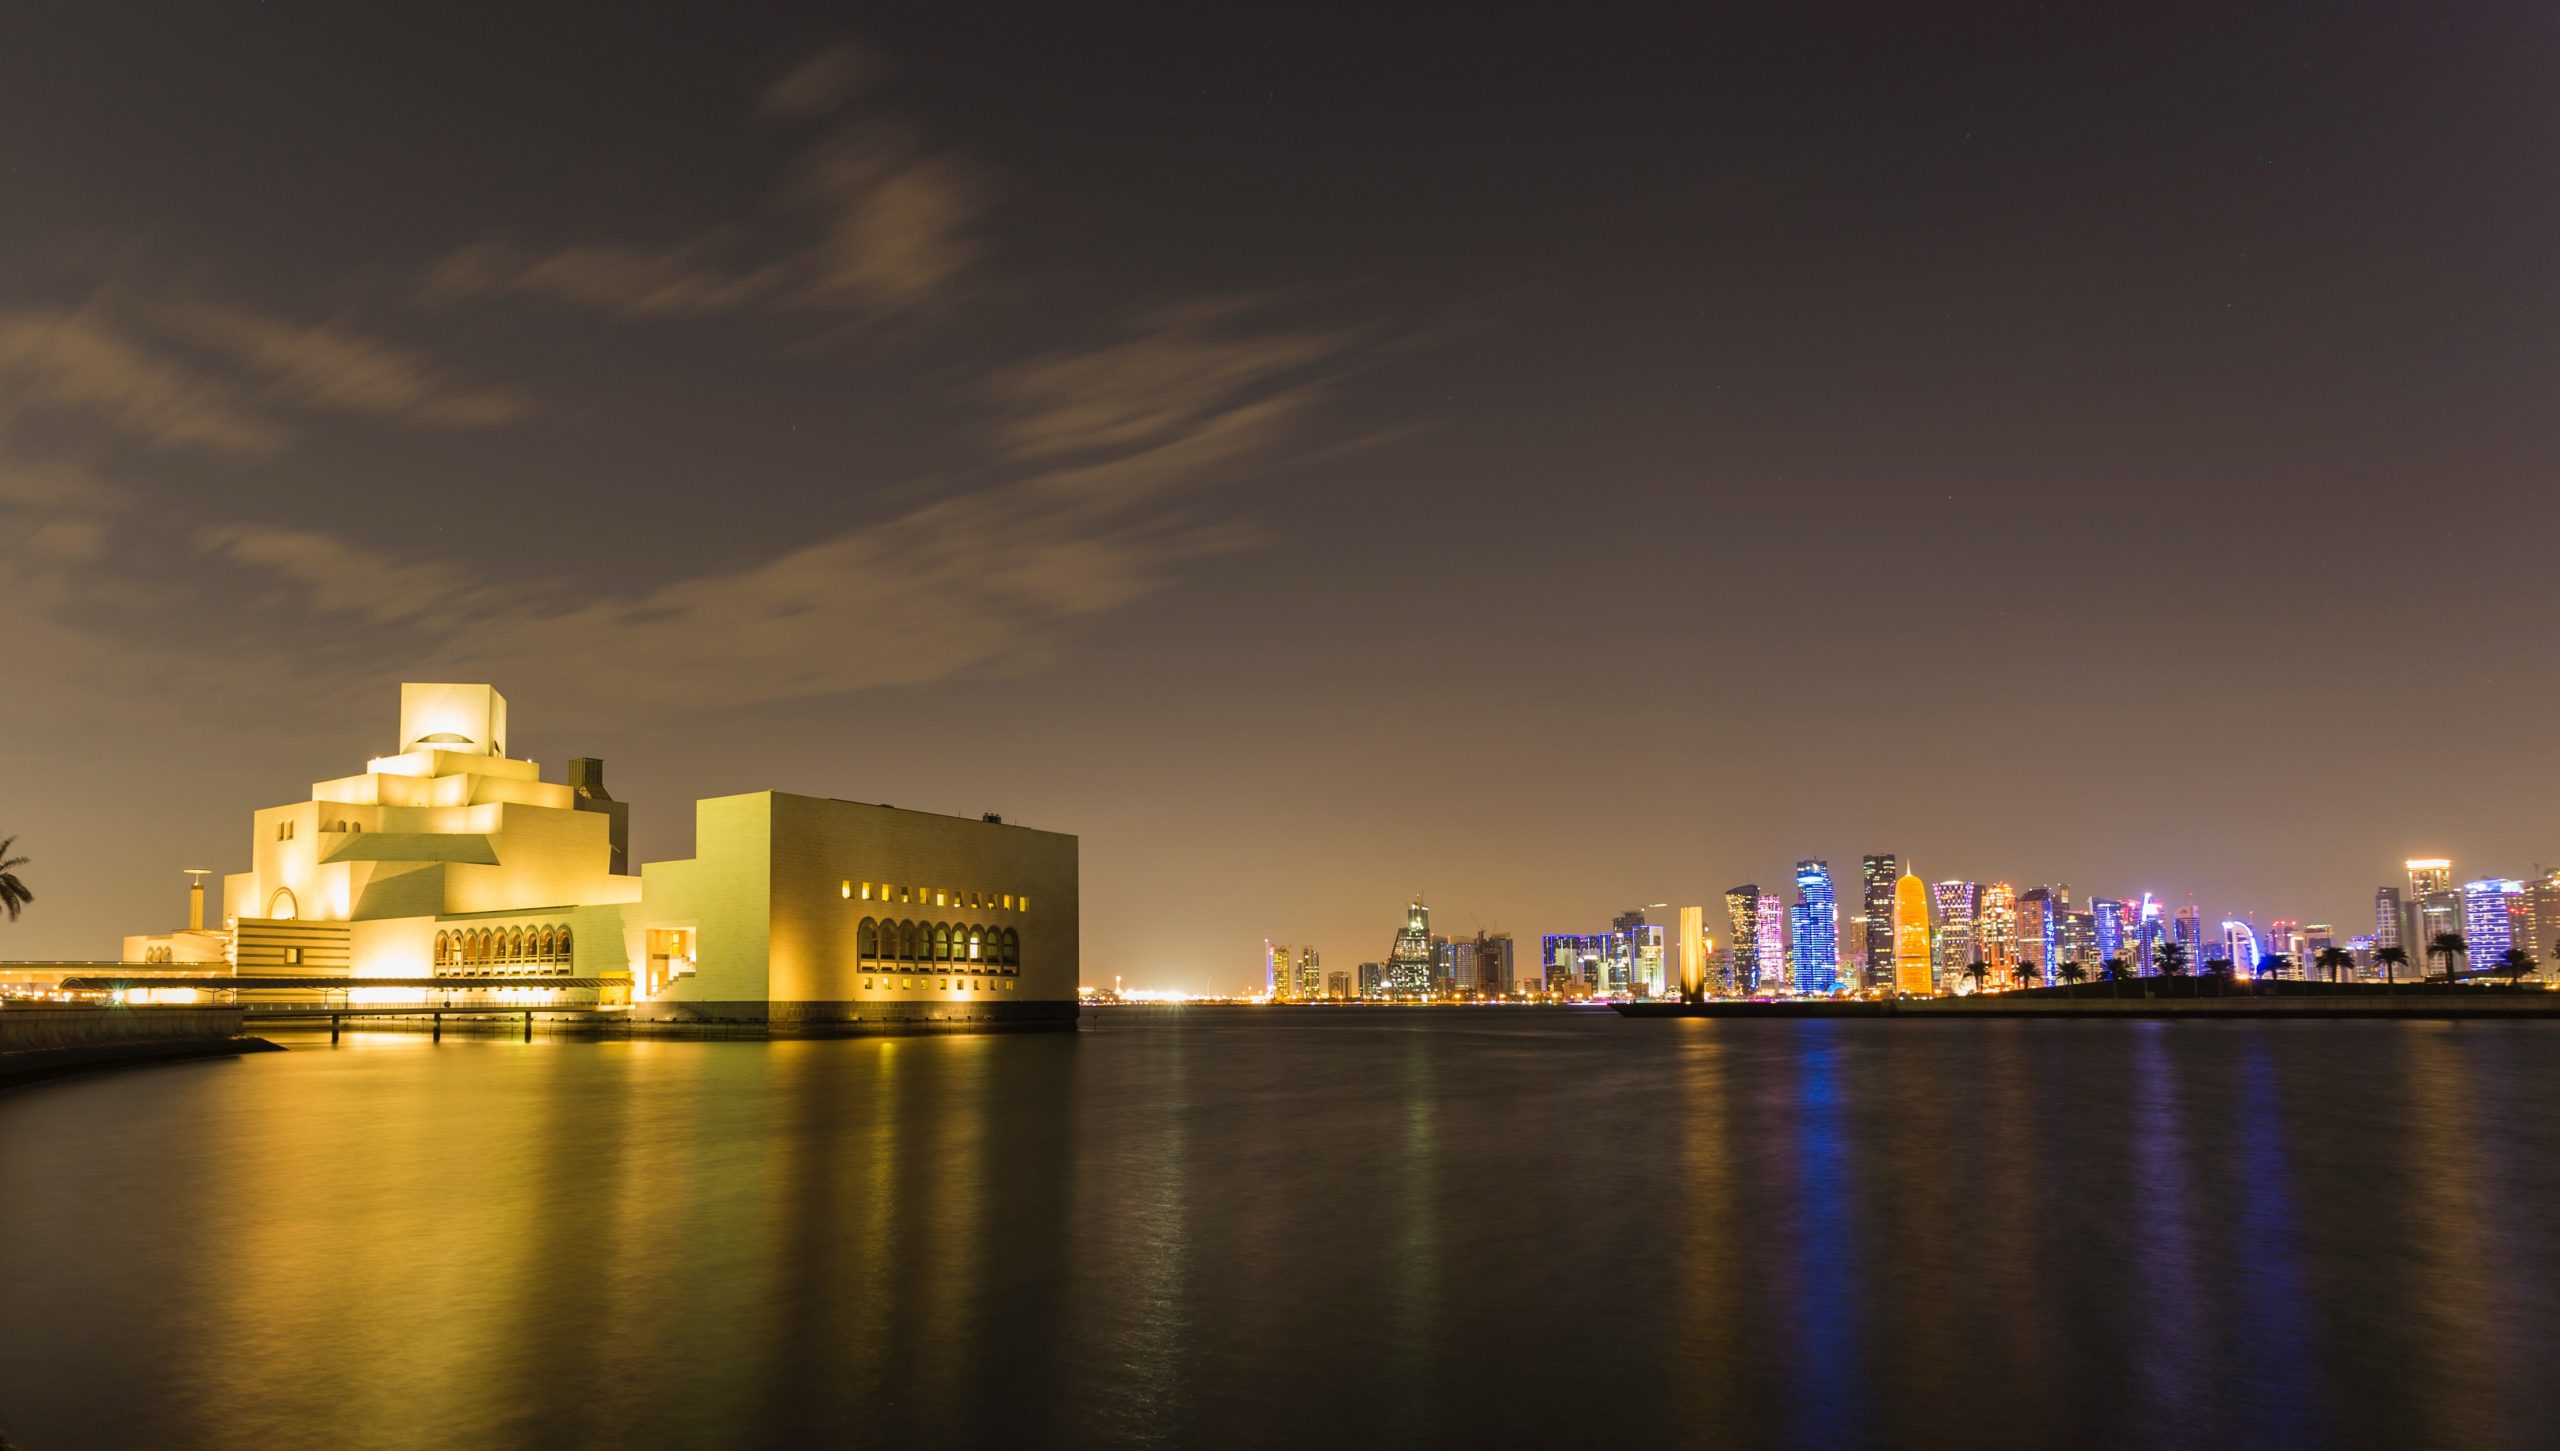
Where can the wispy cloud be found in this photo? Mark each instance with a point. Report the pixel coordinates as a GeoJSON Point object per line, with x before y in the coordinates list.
{"type": "Point", "coordinates": [78, 362]}
{"type": "Point", "coordinates": [819, 84]}
{"type": "Point", "coordinates": [185, 374]}
{"type": "Point", "coordinates": [989, 580]}
{"type": "Point", "coordinates": [605, 277]}
{"type": "Point", "coordinates": [869, 221]}
{"type": "Point", "coordinates": [337, 576]}
{"type": "Point", "coordinates": [329, 366]}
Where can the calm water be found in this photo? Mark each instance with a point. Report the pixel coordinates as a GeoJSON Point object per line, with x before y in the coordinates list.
{"type": "Point", "coordinates": [1349, 1228]}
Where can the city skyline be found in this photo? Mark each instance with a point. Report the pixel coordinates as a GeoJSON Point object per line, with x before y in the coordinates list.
{"type": "Point", "coordinates": [2084, 927]}
{"type": "Point", "coordinates": [1244, 448]}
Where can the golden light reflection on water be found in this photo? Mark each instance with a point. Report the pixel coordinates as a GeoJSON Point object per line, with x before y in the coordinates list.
{"type": "Point", "coordinates": [1215, 1231]}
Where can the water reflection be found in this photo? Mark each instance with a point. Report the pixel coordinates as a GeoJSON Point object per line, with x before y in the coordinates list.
{"type": "Point", "coordinates": [1233, 1229]}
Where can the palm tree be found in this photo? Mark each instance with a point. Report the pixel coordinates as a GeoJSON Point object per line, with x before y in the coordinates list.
{"type": "Point", "coordinates": [2072, 972]}
{"type": "Point", "coordinates": [2273, 964]}
{"type": "Point", "coordinates": [2337, 960]}
{"type": "Point", "coordinates": [2513, 964]}
{"type": "Point", "coordinates": [13, 893]}
{"type": "Point", "coordinates": [2448, 945]}
{"type": "Point", "coordinates": [2171, 958]}
{"type": "Point", "coordinates": [1977, 970]}
{"type": "Point", "coordinates": [2390, 960]}
{"type": "Point", "coordinates": [2025, 972]}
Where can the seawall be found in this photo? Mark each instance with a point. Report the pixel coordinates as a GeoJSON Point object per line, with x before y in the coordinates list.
{"type": "Point", "coordinates": [45, 1041]}
{"type": "Point", "coordinates": [2462, 1003]}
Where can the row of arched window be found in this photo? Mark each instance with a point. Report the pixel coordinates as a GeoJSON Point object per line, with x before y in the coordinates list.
{"type": "Point", "coordinates": [470, 949]}
{"type": "Point", "coordinates": [903, 941]}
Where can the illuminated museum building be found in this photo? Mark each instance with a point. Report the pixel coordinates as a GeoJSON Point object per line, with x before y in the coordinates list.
{"type": "Point", "coordinates": [450, 860]}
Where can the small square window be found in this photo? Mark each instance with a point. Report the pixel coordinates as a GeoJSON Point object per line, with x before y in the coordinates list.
{"type": "Point", "coordinates": [293, 957]}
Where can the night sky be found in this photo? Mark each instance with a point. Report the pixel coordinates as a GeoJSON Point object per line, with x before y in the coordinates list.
{"type": "Point", "coordinates": [1543, 462]}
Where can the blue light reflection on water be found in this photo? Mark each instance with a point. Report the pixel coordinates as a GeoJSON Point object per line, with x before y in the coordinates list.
{"type": "Point", "coordinates": [1301, 1228]}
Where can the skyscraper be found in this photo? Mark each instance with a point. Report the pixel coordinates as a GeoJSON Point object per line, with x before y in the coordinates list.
{"type": "Point", "coordinates": [1693, 953]}
{"type": "Point", "coordinates": [2240, 944]}
{"type": "Point", "coordinates": [1576, 966]}
{"type": "Point", "coordinates": [1409, 961]}
{"type": "Point", "coordinates": [1957, 904]}
{"type": "Point", "coordinates": [2429, 875]}
{"type": "Point", "coordinates": [1878, 952]}
{"type": "Point", "coordinates": [2108, 930]}
{"type": "Point", "coordinates": [1373, 980]}
{"type": "Point", "coordinates": [2389, 918]}
{"type": "Point", "coordinates": [2077, 940]}
{"type": "Point", "coordinates": [2544, 888]}
{"type": "Point", "coordinates": [2488, 922]}
{"type": "Point", "coordinates": [2317, 938]}
{"type": "Point", "coordinates": [1454, 966]}
{"type": "Point", "coordinates": [1742, 957]}
{"type": "Point", "coordinates": [2186, 928]}
{"type": "Point", "coordinates": [1773, 944]}
{"type": "Point", "coordinates": [1639, 959]}
{"type": "Point", "coordinates": [1276, 977]}
{"type": "Point", "coordinates": [1496, 968]}
{"type": "Point", "coordinates": [1998, 923]}
{"type": "Point", "coordinates": [1911, 972]}
{"type": "Point", "coordinates": [1310, 976]}
{"type": "Point", "coordinates": [2032, 941]}
{"type": "Point", "coordinates": [1815, 924]}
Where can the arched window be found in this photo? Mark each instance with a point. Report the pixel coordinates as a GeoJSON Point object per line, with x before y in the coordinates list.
{"type": "Point", "coordinates": [515, 945]}
{"type": "Point", "coordinates": [866, 940]}
{"type": "Point", "coordinates": [906, 941]}
{"type": "Point", "coordinates": [977, 939]}
{"type": "Point", "coordinates": [1012, 948]}
{"type": "Point", "coordinates": [443, 945]}
{"type": "Point", "coordinates": [942, 942]}
{"type": "Point", "coordinates": [564, 942]}
{"type": "Point", "coordinates": [487, 954]}
{"type": "Point", "coordinates": [547, 940]}
{"type": "Point", "coordinates": [281, 907]}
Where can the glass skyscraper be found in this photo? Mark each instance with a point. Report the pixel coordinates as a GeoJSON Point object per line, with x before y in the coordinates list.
{"type": "Point", "coordinates": [1773, 943]}
{"type": "Point", "coordinates": [2488, 920]}
{"type": "Point", "coordinates": [2107, 921]}
{"type": "Point", "coordinates": [1876, 876]}
{"type": "Point", "coordinates": [1742, 954]}
{"type": "Point", "coordinates": [1815, 924]}
{"type": "Point", "coordinates": [1957, 904]}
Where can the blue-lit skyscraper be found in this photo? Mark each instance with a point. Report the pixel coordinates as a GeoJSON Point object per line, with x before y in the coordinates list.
{"type": "Point", "coordinates": [1815, 921]}
{"type": "Point", "coordinates": [2488, 920]}
{"type": "Point", "coordinates": [2109, 918]}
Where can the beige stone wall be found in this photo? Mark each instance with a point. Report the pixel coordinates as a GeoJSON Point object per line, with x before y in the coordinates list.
{"type": "Point", "coordinates": [722, 894]}
{"type": "Point", "coordinates": [951, 869]}
{"type": "Point", "coordinates": [766, 894]}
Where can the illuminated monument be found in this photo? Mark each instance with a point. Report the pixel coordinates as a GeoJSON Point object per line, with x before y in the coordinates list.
{"type": "Point", "coordinates": [1911, 936]}
{"type": "Point", "coordinates": [451, 861]}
